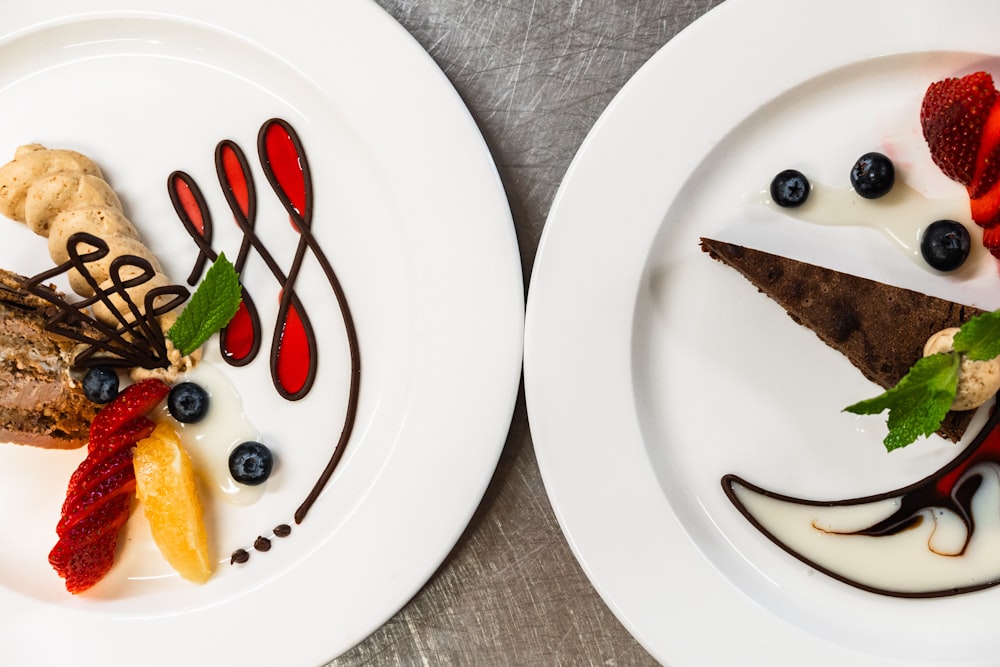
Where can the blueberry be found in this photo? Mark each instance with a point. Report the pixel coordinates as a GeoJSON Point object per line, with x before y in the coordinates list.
{"type": "Point", "coordinates": [790, 188]}
{"type": "Point", "coordinates": [945, 245]}
{"type": "Point", "coordinates": [250, 463]}
{"type": "Point", "coordinates": [873, 175]}
{"type": "Point", "coordinates": [187, 402]}
{"type": "Point", "coordinates": [100, 384]}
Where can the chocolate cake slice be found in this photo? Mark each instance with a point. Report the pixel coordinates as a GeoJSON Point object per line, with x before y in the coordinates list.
{"type": "Point", "coordinates": [881, 329]}
{"type": "Point", "coordinates": [40, 403]}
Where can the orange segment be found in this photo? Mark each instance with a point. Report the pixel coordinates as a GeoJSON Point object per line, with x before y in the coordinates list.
{"type": "Point", "coordinates": [165, 484]}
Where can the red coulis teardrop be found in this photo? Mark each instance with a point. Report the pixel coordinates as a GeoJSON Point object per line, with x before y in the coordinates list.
{"type": "Point", "coordinates": [294, 353]}
{"type": "Point", "coordinates": [189, 203]}
{"type": "Point", "coordinates": [239, 335]}
{"type": "Point", "coordinates": [286, 165]}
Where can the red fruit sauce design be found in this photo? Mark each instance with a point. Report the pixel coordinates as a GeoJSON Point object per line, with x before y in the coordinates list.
{"type": "Point", "coordinates": [293, 350]}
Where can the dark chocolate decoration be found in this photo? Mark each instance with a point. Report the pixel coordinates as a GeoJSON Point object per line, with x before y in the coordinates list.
{"type": "Point", "coordinates": [294, 352]}
{"type": "Point", "coordinates": [950, 487]}
{"type": "Point", "coordinates": [137, 340]}
{"type": "Point", "coordinates": [239, 341]}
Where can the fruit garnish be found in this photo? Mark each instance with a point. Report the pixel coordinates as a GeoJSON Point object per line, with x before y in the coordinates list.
{"type": "Point", "coordinates": [953, 114]}
{"type": "Point", "coordinates": [918, 403]}
{"type": "Point", "coordinates": [99, 493]}
{"type": "Point", "coordinates": [166, 485]}
{"type": "Point", "coordinates": [250, 463]}
{"type": "Point", "coordinates": [210, 308]}
{"type": "Point", "coordinates": [790, 188]}
{"type": "Point", "coordinates": [187, 402]}
{"type": "Point", "coordinates": [960, 118]}
{"type": "Point", "coordinates": [873, 175]}
{"type": "Point", "coordinates": [135, 401]}
{"type": "Point", "coordinates": [945, 245]}
{"type": "Point", "coordinates": [987, 163]}
{"type": "Point", "coordinates": [100, 384]}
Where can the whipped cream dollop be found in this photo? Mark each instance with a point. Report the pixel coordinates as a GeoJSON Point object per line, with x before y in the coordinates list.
{"type": "Point", "coordinates": [978, 381]}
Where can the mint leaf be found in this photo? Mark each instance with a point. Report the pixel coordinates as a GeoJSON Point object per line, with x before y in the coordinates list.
{"type": "Point", "coordinates": [919, 402]}
{"type": "Point", "coordinates": [210, 308]}
{"type": "Point", "coordinates": [979, 338]}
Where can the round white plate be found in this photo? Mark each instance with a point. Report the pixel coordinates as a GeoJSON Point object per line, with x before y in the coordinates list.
{"type": "Point", "coordinates": [411, 214]}
{"type": "Point", "coordinates": [651, 370]}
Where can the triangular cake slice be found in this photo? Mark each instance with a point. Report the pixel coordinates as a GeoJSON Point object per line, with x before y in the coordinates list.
{"type": "Point", "coordinates": [881, 329]}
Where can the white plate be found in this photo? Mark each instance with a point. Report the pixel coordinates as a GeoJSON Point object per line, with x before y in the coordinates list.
{"type": "Point", "coordinates": [410, 212]}
{"type": "Point", "coordinates": [651, 371]}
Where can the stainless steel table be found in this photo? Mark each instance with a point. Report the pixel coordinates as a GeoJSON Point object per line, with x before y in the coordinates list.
{"type": "Point", "coordinates": [536, 75]}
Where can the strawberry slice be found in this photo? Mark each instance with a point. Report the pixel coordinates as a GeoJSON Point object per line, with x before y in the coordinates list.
{"type": "Point", "coordinates": [988, 157]}
{"type": "Point", "coordinates": [100, 491]}
{"type": "Point", "coordinates": [952, 115]}
{"type": "Point", "coordinates": [128, 434]}
{"type": "Point", "coordinates": [986, 208]}
{"type": "Point", "coordinates": [136, 400]}
{"type": "Point", "coordinates": [108, 479]}
{"type": "Point", "coordinates": [88, 535]}
{"type": "Point", "coordinates": [991, 239]}
{"type": "Point", "coordinates": [85, 566]}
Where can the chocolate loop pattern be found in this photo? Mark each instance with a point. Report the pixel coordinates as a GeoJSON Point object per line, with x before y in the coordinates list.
{"type": "Point", "coordinates": [294, 358]}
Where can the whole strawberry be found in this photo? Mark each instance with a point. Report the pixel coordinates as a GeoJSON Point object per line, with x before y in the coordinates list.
{"type": "Point", "coordinates": [960, 118]}
{"type": "Point", "coordinates": [100, 491]}
{"type": "Point", "coordinates": [952, 116]}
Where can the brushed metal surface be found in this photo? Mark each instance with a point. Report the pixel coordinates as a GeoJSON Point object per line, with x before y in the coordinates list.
{"type": "Point", "coordinates": [536, 74]}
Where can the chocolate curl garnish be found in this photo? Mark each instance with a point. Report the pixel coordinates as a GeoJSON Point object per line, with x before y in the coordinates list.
{"type": "Point", "coordinates": [137, 340]}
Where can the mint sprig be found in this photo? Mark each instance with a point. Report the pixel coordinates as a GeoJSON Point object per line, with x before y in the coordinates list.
{"type": "Point", "coordinates": [919, 402]}
{"type": "Point", "coordinates": [922, 398]}
{"type": "Point", "coordinates": [210, 308]}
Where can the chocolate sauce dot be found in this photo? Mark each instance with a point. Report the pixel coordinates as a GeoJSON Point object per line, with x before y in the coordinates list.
{"type": "Point", "coordinates": [239, 556]}
{"type": "Point", "coordinates": [284, 530]}
{"type": "Point", "coordinates": [262, 544]}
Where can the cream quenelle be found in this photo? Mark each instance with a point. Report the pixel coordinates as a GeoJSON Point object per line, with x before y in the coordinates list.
{"type": "Point", "coordinates": [978, 381]}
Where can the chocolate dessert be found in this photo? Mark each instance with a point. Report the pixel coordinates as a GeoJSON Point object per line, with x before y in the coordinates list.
{"type": "Point", "coordinates": [880, 328]}
{"type": "Point", "coordinates": [40, 403]}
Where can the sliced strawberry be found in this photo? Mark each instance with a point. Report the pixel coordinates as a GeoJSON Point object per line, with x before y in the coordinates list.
{"type": "Point", "coordinates": [991, 239]}
{"type": "Point", "coordinates": [136, 400]}
{"type": "Point", "coordinates": [83, 567]}
{"type": "Point", "coordinates": [952, 116]}
{"type": "Point", "coordinates": [986, 209]}
{"type": "Point", "coordinates": [111, 478]}
{"type": "Point", "coordinates": [86, 547]}
{"type": "Point", "coordinates": [108, 516]}
{"type": "Point", "coordinates": [988, 156]}
{"type": "Point", "coordinates": [100, 492]}
{"type": "Point", "coordinates": [127, 434]}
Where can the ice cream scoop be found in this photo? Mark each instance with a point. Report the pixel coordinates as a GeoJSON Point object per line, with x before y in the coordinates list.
{"type": "Point", "coordinates": [978, 381]}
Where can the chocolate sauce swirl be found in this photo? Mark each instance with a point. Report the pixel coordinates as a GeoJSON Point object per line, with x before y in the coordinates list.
{"type": "Point", "coordinates": [294, 357]}
{"type": "Point", "coordinates": [952, 487]}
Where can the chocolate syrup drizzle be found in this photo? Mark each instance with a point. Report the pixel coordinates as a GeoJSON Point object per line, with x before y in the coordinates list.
{"type": "Point", "coordinates": [951, 487]}
{"type": "Point", "coordinates": [284, 163]}
{"type": "Point", "coordinates": [137, 340]}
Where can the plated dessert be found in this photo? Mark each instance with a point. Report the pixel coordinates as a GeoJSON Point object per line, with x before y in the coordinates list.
{"type": "Point", "coordinates": [118, 368]}
{"type": "Point", "coordinates": [937, 360]}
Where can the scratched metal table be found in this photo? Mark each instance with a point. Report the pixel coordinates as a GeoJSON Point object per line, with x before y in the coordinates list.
{"type": "Point", "coordinates": [536, 74]}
